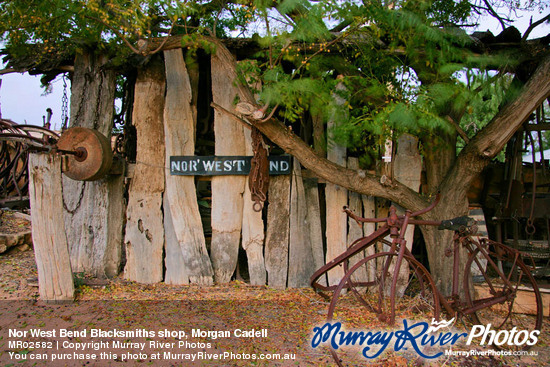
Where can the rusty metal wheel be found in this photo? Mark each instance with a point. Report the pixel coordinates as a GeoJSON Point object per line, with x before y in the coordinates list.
{"type": "Point", "coordinates": [95, 156]}
{"type": "Point", "coordinates": [416, 298]}
{"type": "Point", "coordinates": [500, 290]}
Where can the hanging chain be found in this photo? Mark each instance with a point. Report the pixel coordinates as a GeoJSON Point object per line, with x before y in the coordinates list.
{"type": "Point", "coordinates": [95, 127]}
{"type": "Point", "coordinates": [64, 106]}
{"type": "Point", "coordinates": [78, 203]}
{"type": "Point", "coordinates": [258, 179]}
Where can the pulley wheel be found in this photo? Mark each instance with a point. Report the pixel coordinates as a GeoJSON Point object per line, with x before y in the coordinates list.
{"type": "Point", "coordinates": [94, 156]}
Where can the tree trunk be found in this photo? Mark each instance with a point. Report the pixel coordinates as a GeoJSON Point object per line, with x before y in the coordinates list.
{"type": "Point", "coordinates": [55, 279]}
{"type": "Point", "coordinates": [277, 237]}
{"type": "Point", "coordinates": [301, 263]}
{"type": "Point", "coordinates": [227, 191]}
{"type": "Point", "coordinates": [145, 227]}
{"type": "Point", "coordinates": [187, 259]}
{"type": "Point", "coordinates": [94, 211]}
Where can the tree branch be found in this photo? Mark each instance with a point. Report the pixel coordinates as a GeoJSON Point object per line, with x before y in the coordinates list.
{"type": "Point", "coordinates": [533, 26]}
{"type": "Point", "coordinates": [358, 181]}
{"type": "Point", "coordinates": [492, 138]}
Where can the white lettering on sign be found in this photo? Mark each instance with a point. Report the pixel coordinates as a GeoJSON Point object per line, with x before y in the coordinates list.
{"type": "Point", "coordinates": [224, 165]}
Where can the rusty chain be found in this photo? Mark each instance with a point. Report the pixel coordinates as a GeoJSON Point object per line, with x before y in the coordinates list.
{"type": "Point", "coordinates": [258, 179]}
{"type": "Point", "coordinates": [95, 125]}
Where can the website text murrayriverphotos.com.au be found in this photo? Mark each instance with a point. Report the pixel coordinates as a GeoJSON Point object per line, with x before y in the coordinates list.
{"type": "Point", "coordinates": [428, 341]}
{"type": "Point", "coordinates": [132, 345]}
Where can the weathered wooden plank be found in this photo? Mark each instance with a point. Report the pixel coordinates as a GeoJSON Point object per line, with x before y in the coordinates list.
{"type": "Point", "coordinates": [311, 188]}
{"type": "Point", "coordinates": [94, 214]}
{"type": "Point", "coordinates": [253, 233]}
{"type": "Point", "coordinates": [145, 226]}
{"type": "Point", "coordinates": [407, 170]}
{"type": "Point", "coordinates": [227, 191]}
{"type": "Point", "coordinates": [354, 230]}
{"type": "Point", "coordinates": [336, 198]}
{"type": "Point", "coordinates": [187, 259]}
{"type": "Point", "coordinates": [300, 261]}
{"type": "Point", "coordinates": [277, 237]}
{"type": "Point", "coordinates": [314, 225]}
{"type": "Point", "coordinates": [55, 278]}
{"type": "Point", "coordinates": [369, 211]}
{"type": "Point", "coordinates": [176, 271]}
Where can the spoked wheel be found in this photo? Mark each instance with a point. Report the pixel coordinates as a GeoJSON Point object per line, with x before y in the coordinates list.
{"type": "Point", "coordinates": [415, 294]}
{"type": "Point", "coordinates": [502, 292]}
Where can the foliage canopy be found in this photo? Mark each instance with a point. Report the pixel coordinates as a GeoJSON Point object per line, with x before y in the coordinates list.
{"type": "Point", "coordinates": [406, 66]}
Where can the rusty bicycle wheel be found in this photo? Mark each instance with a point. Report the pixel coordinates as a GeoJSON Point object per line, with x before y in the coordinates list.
{"type": "Point", "coordinates": [416, 298]}
{"type": "Point", "coordinates": [501, 291]}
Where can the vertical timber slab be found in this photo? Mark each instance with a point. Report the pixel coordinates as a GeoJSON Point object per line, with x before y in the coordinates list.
{"type": "Point", "coordinates": [407, 170]}
{"type": "Point", "coordinates": [227, 191]}
{"type": "Point", "coordinates": [355, 231]}
{"type": "Point", "coordinates": [277, 237]}
{"type": "Point", "coordinates": [300, 260]}
{"type": "Point", "coordinates": [175, 272]}
{"type": "Point", "coordinates": [369, 211]}
{"type": "Point", "coordinates": [55, 278]}
{"type": "Point", "coordinates": [187, 259]}
{"type": "Point", "coordinates": [253, 235]}
{"type": "Point", "coordinates": [336, 199]}
{"type": "Point", "coordinates": [314, 225]}
{"type": "Point", "coordinates": [145, 227]}
{"type": "Point", "coordinates": [94, 214]}
{"type": "Point", "coordinates": [311, 188]}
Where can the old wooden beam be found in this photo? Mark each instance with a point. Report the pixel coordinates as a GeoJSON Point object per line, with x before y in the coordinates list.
{"type": "Point", "coordinates": [55, 277]}
{"type": "Point", "coordinates": [187, 259]}
{"type": "Point", "coordinates": [145, 227]}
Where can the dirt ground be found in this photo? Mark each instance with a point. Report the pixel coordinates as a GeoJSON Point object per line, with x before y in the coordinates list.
{"type": "Point", "coordinates": [288, 315]}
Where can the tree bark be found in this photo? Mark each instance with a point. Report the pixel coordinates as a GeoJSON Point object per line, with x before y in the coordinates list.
{"type": "Point", "coordinates": [227, 191]}
{"type": "Point", "coordinates": [471, 161]}
{"type": "Point", "coordinates": [55, 278]}
{"type": "Point", "coordinates": [187, 259]}
{"type": "Point", "coordinates": [145, 225]}
{"type": "Point", "coordinates": [94, 213]}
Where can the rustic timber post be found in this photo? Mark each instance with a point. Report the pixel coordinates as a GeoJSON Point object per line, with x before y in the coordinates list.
{"type": "Point", "coordinates": [55, 278]}
{"type": "Point", "coordinates": [277, 237]}
{"type": "Point", "coordinates": [336, 198]}
{"type": "Point", "coordinates": [227, 191]}
{"type": "Point", "coordinates": [301, 264]}
{"type": "Point", "coordinates": [187, 259]}
{"type": "Point", "coordinates": [354, 230]}
{"type": "Point", "coordinates": [311, 188]}
{"type": "Point", "coordinates": [314, 225]}
{"type": "Point", "coordinates": [407, 170]}
{"type": "Point", "coordinates": [94, 211]}
{"type": "Point", "coordinates": [369, 211]}
{"type": "Point", "coordinates": [253, 234]}
{"type": "Point", "coordinates": [145, 228]}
